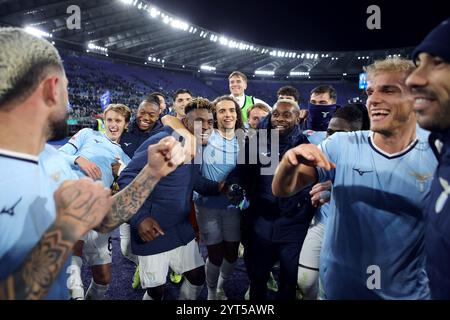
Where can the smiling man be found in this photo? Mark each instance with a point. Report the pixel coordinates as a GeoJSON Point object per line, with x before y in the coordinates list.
{"type": "Point", "coordinates": [146, 124]}
{"type": "Point", "coordinates": [161, 233]}
{"type": "Point", "coordinates": [91, 153]}
{"type": "Point", "coordinates": [237, 82]}
{"type": "Point", "coordinates": [430, 85]}
{"type": "Point", "coordinates": [271, 225]}
{"type": "Point", "coordinates": [374, 240]}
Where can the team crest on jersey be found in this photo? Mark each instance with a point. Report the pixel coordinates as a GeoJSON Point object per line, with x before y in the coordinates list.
{"type": "Point", "coordinates": [308, 133]}
{"type": "Point", "coordinates": [325, 114]}
{"type": "Point", "coordinates": [442, 200]}
{"type": "Point", "coordinates": [97, 141]}
{"type": "Point", "coordinates": [10, 211]}
{"type": "Point", "coordinates": [421, 179]}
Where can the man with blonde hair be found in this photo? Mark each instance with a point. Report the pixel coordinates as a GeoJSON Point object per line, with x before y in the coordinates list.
{"type": "Point", "coordinates": [38, 225]}
{"type": "Point", "coordinates": [374, 239]}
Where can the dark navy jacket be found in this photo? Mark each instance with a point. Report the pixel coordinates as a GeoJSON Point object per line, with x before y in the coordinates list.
{"type": "Point", "coordinates": [437, 214]}
{"type": "Point", "coordinates": [273, 218]}
{"type": "Point", "coordinates": [134, 137]}
{"type": "Point", "coordinates": [169, 203]}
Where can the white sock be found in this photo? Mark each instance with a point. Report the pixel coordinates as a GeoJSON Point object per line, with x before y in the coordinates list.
{"type": "Point", "coordinates": [96, 291]}
{"type": "Point", "coordinates": [146, 296]}
{"type": "Point", "coordinates": [74, 282]}
{"type": "Point", "coordinates": [226, 269]}
{"type": "Point", "coordinates": [189, 291]}
{"type": "Point", "coordinates": [212, 274]}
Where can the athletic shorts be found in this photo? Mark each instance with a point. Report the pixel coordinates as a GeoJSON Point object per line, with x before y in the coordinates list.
{"type": "Point", "coordinates": [310, 253]}
{"type": "Point", "coordinates": [153, 269]}
{"type": "Point", "coordinates": [97, 248]}
{"type": "Point", "coordinates": [217, 225]}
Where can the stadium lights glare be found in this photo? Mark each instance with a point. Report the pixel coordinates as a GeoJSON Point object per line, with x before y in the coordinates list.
{"type": "Point", "coordinates": [37, 32]}
{"type": "Point", "coordinates": [154, 12]}
{"type": "Point", "coordinates": [264, 73]}
{"type": "Point", "coordinates": [155, 60]}
{"type": "Point", "coordinates": [298, 73]}
{"type": "Point", "coordinates": [207, 68]}
{"type": "Point", "coordinates": [223, 41]}
{"type": "Point", "coordinates": [92, 46]}
{"type": "Point", "coordinates": [178, 24]}
{"type": "Point", "coordinates": [127, 1]}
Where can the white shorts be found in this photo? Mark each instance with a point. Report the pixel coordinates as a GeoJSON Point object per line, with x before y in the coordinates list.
{"type": "Point", "coordinates": [310, 253]}
{"type": "Point", "coordinates": [217, 225]}
{"type": "Point", "coordinates": [153, 269]}
{"type": "Point", "coordinates": [97, 248]}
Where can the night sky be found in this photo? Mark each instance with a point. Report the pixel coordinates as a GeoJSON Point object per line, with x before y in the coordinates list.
{"type": "Point", "coordinates": [313, 24]}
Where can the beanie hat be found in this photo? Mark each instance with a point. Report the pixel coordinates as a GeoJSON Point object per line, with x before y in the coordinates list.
{"type": "Point", "coordinates": [436, 43]}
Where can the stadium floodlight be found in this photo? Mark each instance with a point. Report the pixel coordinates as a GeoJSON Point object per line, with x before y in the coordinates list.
{"type": "Point", "coordinates": [128, 2]}
{"type": "Point", "coordinates": [178, 24]}
{"type": "Point", "coordinates": [303, 55]}
{"type": "Point", "coordinates": [94, 47]}
{"type": "Point", "coordinates": [307, 56]}
{"type": "Point", "coordinates": [344, 74]}
{"type": "Point", "coordinates": [264, 73]}
{"type": "Point", "coordinates": [38, 32]}
{"type": "Point", "coordinates": [223, 41]}
{"type": "Point", "coordinates": [154, 12]}
{"type": "Point", "coordinates": [166, 19]}
{"type": "Point", "coordinates": [207, 68]}
{"type": "Point", "coordinates": [298, 73]}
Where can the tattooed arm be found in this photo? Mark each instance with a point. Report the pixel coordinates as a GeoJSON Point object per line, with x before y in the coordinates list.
{"type": "Point", "coordinates": [163, 158]}
{"type": "Point", "coordinates": [80, 206]}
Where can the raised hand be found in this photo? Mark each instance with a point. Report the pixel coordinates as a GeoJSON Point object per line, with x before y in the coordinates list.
{"type": "Point", "coordinates": [165, 156]}
{"type": "Point", "coordinates": [308, 154]}
{"type": "Point", "coordinates": [89, 168]}
{"type": "Point", "coordinates": [82, 204]}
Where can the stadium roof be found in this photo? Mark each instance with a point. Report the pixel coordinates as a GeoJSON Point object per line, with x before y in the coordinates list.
{"type": "Point", "coordinates": [140, 32]}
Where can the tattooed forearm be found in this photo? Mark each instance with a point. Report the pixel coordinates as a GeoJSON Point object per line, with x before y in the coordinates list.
{"type": "Point", "coordinates": [36, 275]}
{"type": "Point", "coordinates": [128, 201]}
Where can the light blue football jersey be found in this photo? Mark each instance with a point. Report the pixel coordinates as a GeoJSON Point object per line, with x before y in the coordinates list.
{"type": "Point", "coordinates": [96, 147]}
{"type": "Point", "coordinates": [315, 137]}
{"type": "Point", "coordinates": [28, 209]}
{"type": "Point", "coordinates": [374, 240]}
{"type": "Point", "coordinates": [219, 159]}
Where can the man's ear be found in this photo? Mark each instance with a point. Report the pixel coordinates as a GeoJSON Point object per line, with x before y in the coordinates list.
{"type": "Point", "coordinates": [50, 90]}
{"type": "Point", "coordinates": [297, 116]}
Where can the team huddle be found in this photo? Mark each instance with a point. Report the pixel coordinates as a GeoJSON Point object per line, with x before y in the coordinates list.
{"type": "Point", "coordinates": [348, 202]}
